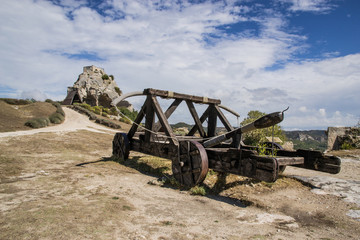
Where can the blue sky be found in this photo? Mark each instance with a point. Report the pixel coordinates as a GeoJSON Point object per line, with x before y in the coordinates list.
{"type": "Point", "coordinates": [253, 55]}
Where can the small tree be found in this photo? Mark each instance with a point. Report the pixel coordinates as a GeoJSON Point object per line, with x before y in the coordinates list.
{"type": "Point", "coordinates": [258, 136]}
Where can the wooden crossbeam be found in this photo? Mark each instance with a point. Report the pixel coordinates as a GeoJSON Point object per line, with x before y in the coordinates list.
{"type": "Point", "coordinates": [203, 117]}
{"type": "Point", "coordinates": [137, 122]}
{"type": "Point", "coordinates": [196, 118]}
{"type": "Point", "coordinates": [169, 94]}
{"type": "Point", "coordinates": [223, 119]}
{"type": "Point", "coordinates": [168, 113]}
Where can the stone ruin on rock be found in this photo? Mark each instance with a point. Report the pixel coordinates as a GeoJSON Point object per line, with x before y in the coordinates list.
{"type": "Point", "coordinates": [95, 88]}
{"type": "Point", "coordinates": [338, 136]}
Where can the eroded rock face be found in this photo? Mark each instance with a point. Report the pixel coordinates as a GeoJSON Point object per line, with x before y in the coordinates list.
{"type": "Point", "coordinates": [337, 136]}
{"type": "Point", "coordinates": [94, 87]}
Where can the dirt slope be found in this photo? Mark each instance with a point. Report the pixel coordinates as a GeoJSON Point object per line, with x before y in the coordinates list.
{"type": "Point", "coordinates": [61, 183]}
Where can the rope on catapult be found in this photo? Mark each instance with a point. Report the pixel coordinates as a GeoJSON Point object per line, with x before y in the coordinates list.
{"type": "Point", "coordinates": [148, 130]}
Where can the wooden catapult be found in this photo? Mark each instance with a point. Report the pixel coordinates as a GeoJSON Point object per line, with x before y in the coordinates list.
{"type": "Point", "coordinates": [192, 155]}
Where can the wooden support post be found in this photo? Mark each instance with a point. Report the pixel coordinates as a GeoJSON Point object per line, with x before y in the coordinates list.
{"type": "Point", "coordinates": [163, 121]}
{"type": "Point", "coordinates": [212, 119]}
{"type": "Point", "coordinates": [137, 122]}
{"type": "Point", "coordinates": [195, 116]}
{"type": "Point", "coordinates": [149, 118]}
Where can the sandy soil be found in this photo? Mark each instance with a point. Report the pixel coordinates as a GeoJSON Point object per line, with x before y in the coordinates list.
{"type": "Point", "coordinates": [60, 183]}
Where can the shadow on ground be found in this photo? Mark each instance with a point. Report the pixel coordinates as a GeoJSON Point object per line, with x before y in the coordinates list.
{"type": "Point", "coordinates": [165, 179]}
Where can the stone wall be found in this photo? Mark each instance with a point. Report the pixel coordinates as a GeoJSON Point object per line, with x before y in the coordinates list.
{"type": "Point", "coordinates": [337, 136]}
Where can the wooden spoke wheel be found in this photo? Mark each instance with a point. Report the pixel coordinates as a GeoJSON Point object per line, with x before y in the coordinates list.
{"type": "Point", "coordinates": [191, 166]}
{"type": "Point", "coordinates": [276, 147]}
{"type": "Point", "coordinates": [121, 146]}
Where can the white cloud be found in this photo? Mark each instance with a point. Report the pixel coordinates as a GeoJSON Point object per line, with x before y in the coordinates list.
{"type": "Point", "coordinates": [310, 5]}
{"type": "Point", "coordinates": [322, 112]}
{"type": "Point", "coordinates": [176, 46]}
{"type": "Point", "coordinates": [34, 94]}
{"type": "Point", "coordinates": [303, 109]}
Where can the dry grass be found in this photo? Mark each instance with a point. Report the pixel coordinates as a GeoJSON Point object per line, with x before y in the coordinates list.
{"type": "Point", "coordinates": [13, 117]}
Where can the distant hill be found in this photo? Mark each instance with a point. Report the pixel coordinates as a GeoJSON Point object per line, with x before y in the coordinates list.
{"type": "Point", "coordinates": [311, 139]}
{"type": "Point", "coordinates": [181, 125]}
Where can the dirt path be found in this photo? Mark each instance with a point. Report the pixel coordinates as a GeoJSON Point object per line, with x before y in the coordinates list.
{"type": "Point", "coordinates": [60, 183]}
{"type": "Point", "coordinates": [74, 121]}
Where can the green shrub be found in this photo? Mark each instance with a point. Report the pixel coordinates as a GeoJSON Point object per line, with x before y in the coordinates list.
{"type": "Point", "coordinates": [113, 111]}
{"type": "Point", "coordinates": [97, 110]}
{"type": "Point", "coordinates": [86, 106]}
{"type": "Point", "coordinates": [107, 123]}
{"type": "Point", "coordinates": [259, 135]}
{"type": "Point", "coordinates": [346, 146]}
{"type": "Point", "coordinates": [104, 114]}
{"type": "Point", "coordinates": [128, 113]}
{"type": "Point", "coordinates": [105, 77]}
{"type": "Point", "coordinates": [106, 110]}
{"type": "Point", "coordinates": [56, 118]}
{"type": "Point", "coordinates": [125, 120]}
{"type": "Point", "coordinates": [38, 122]}
{"type": "Point", "coordinates": [118, 90]}
{"type": "Point", "coordinates": [112, 77]}
{"type": "Point", "coordinates": [198, 190]}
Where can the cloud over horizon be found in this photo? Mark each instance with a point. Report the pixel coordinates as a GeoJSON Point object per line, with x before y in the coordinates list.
{"type": "Point", "coordinates": [247, 55]}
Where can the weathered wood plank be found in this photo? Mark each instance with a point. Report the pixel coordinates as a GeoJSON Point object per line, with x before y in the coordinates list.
{"type": "Point", "coordinates": [285, 161]}
{"type": "Point", "coordinates": [169, 94]}
{"type": "Point", "coordinates": [164, 150]}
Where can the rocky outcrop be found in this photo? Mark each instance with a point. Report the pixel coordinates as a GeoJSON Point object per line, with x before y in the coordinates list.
{"type": "Point", "coordinates": [343, 137]}
{"type": "Point", "coordinates": [94, 87]}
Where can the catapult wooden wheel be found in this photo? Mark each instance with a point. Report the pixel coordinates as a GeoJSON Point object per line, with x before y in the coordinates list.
{"type": "Point", "coordinates": [121, 146]}
{"type": "Point", "coordinates": [192, 165]}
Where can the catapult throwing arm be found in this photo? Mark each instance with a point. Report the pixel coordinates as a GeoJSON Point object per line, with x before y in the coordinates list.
{"type": "Point", "coordinates": [263, 122]}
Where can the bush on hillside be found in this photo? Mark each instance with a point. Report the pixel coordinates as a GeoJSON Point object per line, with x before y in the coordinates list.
{"type": "Point", "coordinates": [105, 77]}
{"type": "Point", "coordinates": [106, 110]}
{"type": "Point", "coordinates": [118, 91]}
{"type": "Point", "coordinates": [13, 101]}
{"type": "Point", "coordinates": [130, 114]}
{"type": "Point", "coordinates": [56, 118]}
{"type": "Point", "coordinates": [113, 111]}
{"type": "Point", "coordinates": [38, 122]}
{"type": "Point", "coordinates": [97, 110]}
